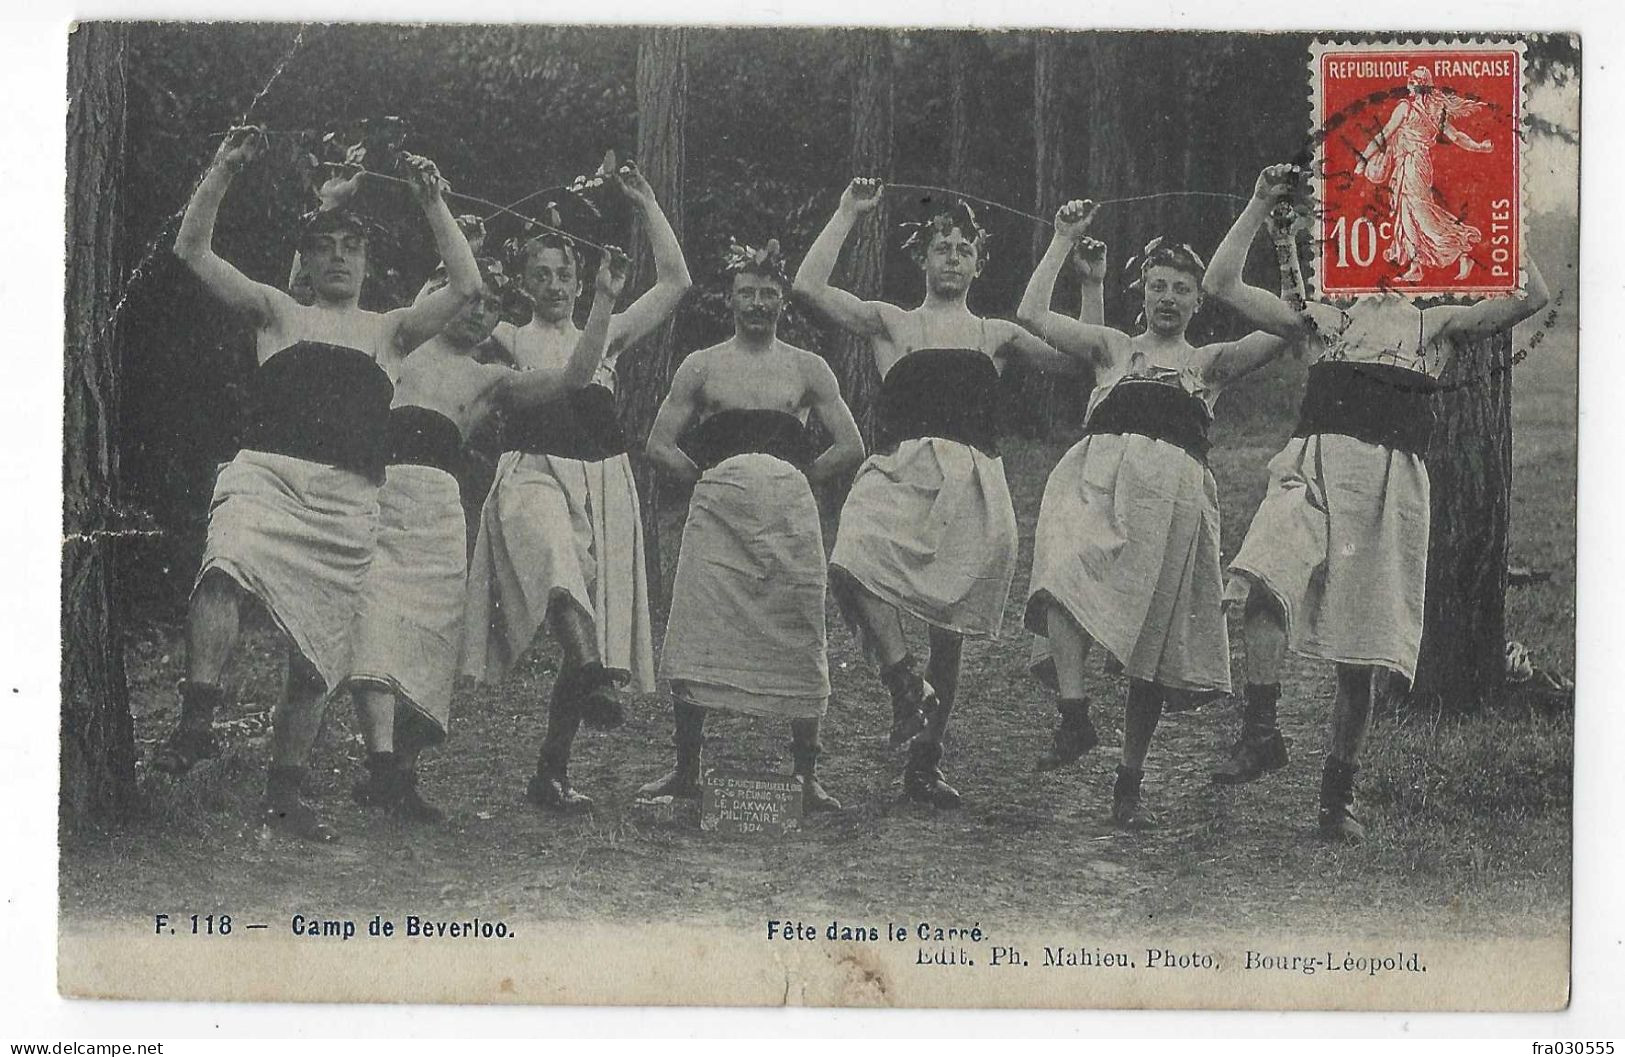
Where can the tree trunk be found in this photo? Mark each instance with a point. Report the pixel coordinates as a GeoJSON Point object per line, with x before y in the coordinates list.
{"type": "Point", "coordinates": [1049, 139]}
{"type": "Point", "coordinates": [865, 268]}
{"type": "Point", "coordinates": [1463, 661]}
{"type": "Point", "coordinates": [959, 66]}
{"type": "Point", "coordinates": [662, 91]}
{"type": "Point", "coordinates": [98, 742]}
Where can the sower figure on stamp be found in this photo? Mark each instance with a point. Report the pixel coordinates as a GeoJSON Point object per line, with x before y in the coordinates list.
{"type": "Point", "coordinates": [746, 632]}
{"type": "Point", "coordinates": [1126, 551]}
{"type": "Point", "coordinates": [409, 625]}
{"type": "Point", "coordinates": [1400, 158]}
{"type": "Point", "coordinates": [294, 514]}
{"type": "Point", "coordinates": [928, 528]}
{"type": "Point", "coordinates": [560, 541]}
{"type": "Point", "coordinates": [1334, 563]}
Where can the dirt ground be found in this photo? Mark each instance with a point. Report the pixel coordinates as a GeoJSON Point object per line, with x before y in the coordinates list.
{"type": "Point", "coordinates": [1470, 821]}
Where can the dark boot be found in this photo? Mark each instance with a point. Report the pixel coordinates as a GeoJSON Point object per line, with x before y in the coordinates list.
{"type": "Point", "coordinates": [1073, 737]}
{"type": "Point", "coordinates": [193, 737]}
{"type": "Point", "coordinates": [596, 701]}
{"type": "Point", "coordinates": [1337, 821]}
{"type": "Point", "coordinates": [550, 787]}
{"type": "Point", "coordinates": [922, 778]}
{"type": "Point", "coordinates": [1126, 810]}
{"type": "Point", "coordinates": [805, 749]}
{"type": "Point", "coordinates": [284, 811]}
{"type": "Point", "coordinates": [689, 740]}
{"type": "Point", "coordinates": [1261, 748]}
{"type": "Point", "coordinates": [911, 698]}
{"type": "Point", "coordinates": [394, 787]}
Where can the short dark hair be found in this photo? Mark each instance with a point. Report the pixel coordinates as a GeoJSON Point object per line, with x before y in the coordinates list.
{"type": "Point", "coordinates": [330, 222]}
{"type": "Point", "coordinates": [767, 262]}
{"type": "Point", "coordinates": [942, 220]}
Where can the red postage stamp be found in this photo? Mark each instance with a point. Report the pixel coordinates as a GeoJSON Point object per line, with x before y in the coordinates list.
{"type": "Point", "coordinates": [1418, 167]}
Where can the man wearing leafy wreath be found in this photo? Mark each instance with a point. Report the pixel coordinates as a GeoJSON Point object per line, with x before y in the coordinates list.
{"type": "Point", "coordinates": [294, 514]}
{"type": "Point", "coordinates": [746, 632]}
{"type": "Point", "coordinates": [928, 528]}
{"type": "Point", "coordinates": [560, 540]}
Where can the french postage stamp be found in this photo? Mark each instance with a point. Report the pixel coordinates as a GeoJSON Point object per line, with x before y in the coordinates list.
{"type": "Point", "coordinates": [1418, 167]}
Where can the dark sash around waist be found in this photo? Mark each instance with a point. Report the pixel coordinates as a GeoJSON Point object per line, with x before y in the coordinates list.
{"type": "Point", "coordinates": [1156, 410]}
{"type": "Point", "coordinates": [325, 403]}
{"type": "Point", "coordinates": [1378, 403]}
{"type": "Point", "coordinates": [738, 431]}
{"type": "Point", "coordinates": [421, 437]}
{"type": "Point", "coordinates": [947, 393]}
{"type": "Point", "coordinates": [580, 425]}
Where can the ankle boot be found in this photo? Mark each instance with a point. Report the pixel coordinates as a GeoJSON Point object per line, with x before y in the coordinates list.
{"type": "Point", "coordinates": [283, 810]}
{"type": "Point", "coordinates": [1337, 821]}
{"type": "Point", "coordinates": [922, 778]}
{"type": "Point", "coordinates": [805, 749]}
{"type": "Point", "coordinates": [689, 740]}
{"type": "Point", "coordinates": [193, 737]}
{"type": "Point", "coordinates": [1126, 810]}
{"type": "Point", "coordinates": [1261, 748]}
{"type": "Point", "coordinates": [911, 698]}
{"type": "Point", "coordinates": [549, 788]}
{"type": "Point", "coordinates": [1072, 738]}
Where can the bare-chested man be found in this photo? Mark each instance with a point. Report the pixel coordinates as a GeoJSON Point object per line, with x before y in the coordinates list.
{"type": "Point", "coordinates": [294, 515]}
{"type": "Point", "coordinates": [746, 631]}
{"type": "Point", "coordinates": [1335, 561]}
{"type": "Point", "coordinates": [928, 528]}
{"type": "Point", "coordinates": [409, 625]}
{"type": "Point", "coordinates": [560, 540]}
{"type": "Point", "coordinates": [1126, 552]}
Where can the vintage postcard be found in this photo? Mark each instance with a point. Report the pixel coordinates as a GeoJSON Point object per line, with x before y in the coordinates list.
{"type": "Point", "coordinates": [831, 517]}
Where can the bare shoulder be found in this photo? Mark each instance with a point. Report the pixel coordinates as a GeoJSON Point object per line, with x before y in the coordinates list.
{"type": "Point", "coordinates": [814, 369]}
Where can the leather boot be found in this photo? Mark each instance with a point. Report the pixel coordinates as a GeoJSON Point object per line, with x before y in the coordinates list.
{"type": "Point", "coordinates": [911, 698]}
{"type": "Point", "coordinates": [193, 737]}
{"type": "Point", "coordinates": [283, 810]}
{"type": "Point", "coordinates": [1337, 821]}
{"type": "Point", "coordinates": [596, 701]}
{"type": "Point", "coordinates": [922, 778]}
{"type": "Point", "coordinates": [689, 740]}
{"type": "Point", "coordinates": [1261, 748]}
{"type": "Point", "coordinates": [805, 749]}
{"type": "Point", "coordinates": [1126, 810]}
{"type": "Point", "coordinates": [1072, 738]}
{"type": "Point", "coordinates": [549, 788]}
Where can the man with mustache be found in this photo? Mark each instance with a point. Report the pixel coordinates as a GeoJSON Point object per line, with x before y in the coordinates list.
{"type": "Point", "coordinates": [746, 632]}
{"type": "Point", "coordinates": [293, 516]}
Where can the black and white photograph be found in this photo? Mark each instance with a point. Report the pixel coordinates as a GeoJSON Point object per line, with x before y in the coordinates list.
{"type": "Point", "coordinates": [862, 516]}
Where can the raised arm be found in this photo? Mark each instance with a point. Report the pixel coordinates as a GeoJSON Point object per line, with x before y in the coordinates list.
{"type": "Point", "coordinates": [1232, 360]}
{"type": "Point", "coordinates": [529, 388]}
{"type": "Point", "coordinates": [427, 316]}
{"type": "Point", "coordinates": [846, 445]}
{"type": "Point", "coordinates": [1089, 257]}
{"type": "Point", "coordinates": [1493, 315]}
{"type": "Point", "coordinates": [1088, 341]}
{"type": "Point", "coordinates": [671, 271]}
{"type": "Point", "coordinates": [194, 245]}
{"type": "Point", "coordinates": [1260, 308]}
{"type": "Point", "coordinates": [852, 313]}
{"type": "Point", "coordinates": [677, 412]}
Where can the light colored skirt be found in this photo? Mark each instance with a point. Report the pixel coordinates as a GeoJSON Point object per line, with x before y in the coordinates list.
{"type": "Point", "coordinates": [555, 528]}
{"type": "Point", "coordinates": [1128, 544]}
{"type": "Point", "coordinates": [746, 632]}
{"type": "Point", "coordinates": [298, 536]}
{"type": "Point", "coordinates": [409, 625]}
{"type": "Point", "coordinates": [1341, 541]}
{"type": "Point", "coordinates": [931, 530]}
